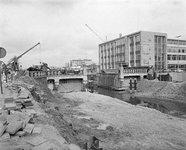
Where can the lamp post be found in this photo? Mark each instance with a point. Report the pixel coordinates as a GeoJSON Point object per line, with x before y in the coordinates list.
{"type": "Point", "coordinates": [178, 49]}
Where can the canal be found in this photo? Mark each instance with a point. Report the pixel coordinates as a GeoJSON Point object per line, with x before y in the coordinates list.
{"type": "Point", "coordinates": [176, 109]}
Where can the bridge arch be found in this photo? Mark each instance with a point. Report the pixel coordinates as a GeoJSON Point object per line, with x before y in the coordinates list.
{"type": "Point", "coordinates": [74, 84]}
{"type": "Point", "coordinates": [51, 83]}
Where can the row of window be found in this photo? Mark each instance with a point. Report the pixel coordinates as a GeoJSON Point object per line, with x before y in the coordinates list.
{"type": "Point", "coordinates": [176, 42]}
{"type": "Point", "coordinates": [176, 50]}
{"type": "Point", "coordinates": [176, 57]}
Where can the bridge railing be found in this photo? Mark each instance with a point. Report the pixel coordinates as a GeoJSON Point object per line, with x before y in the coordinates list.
{"type": "Point", "coordinates": [37, 74]}
{"type": "Point", "coordinates": [59, 73]}
{"type": "Point", "coordinates": [134, 70]}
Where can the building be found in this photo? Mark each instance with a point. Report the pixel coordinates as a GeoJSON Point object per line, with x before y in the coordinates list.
{"type": "Point", "coordinates": [132, 55]}
{"type": "Point", "coordinates": [176, 54]}
{"type": "Point", "coordinates": [80, 62]}
{"type": "Point", "coordinates": [135, 50]}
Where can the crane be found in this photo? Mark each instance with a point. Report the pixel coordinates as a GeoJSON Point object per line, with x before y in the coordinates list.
{"type": "Point", "coordinates": [13, 63]}
{"type": "Point", "coordinates": [94, 33]}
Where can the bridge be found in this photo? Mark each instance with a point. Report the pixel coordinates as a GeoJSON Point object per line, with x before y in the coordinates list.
{"type": "Point", "coordinates": [118, 79]}
{"type": "Point", "coordinates": [58, 80]}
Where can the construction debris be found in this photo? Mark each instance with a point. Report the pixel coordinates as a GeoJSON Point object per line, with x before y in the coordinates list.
{"type": "Point", "coordinates": [19, 116]}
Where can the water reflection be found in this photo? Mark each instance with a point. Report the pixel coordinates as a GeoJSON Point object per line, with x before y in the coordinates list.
{"type": "Point", "coordinates": [173, 108]}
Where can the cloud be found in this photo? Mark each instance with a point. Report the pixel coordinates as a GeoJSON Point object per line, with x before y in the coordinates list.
{"type": "Point", "coordinates": [14, 2]}
{"type": "Point", "coordinates": [60, 3]}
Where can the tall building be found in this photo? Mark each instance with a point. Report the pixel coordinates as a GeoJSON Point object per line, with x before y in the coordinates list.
{"type": "Point", "coordinates": [135, 50]}
{"type": "Point", "coordinates": [176, 54]}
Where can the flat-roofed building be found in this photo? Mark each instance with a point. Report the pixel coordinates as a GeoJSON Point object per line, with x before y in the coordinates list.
{"type": "Point", "coordinates": [176, 54]}
{"type": "Point", "coordinates": [138, 49]}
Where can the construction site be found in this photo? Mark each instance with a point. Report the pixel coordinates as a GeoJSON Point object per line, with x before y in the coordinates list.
{"type": "Point", "coordinates": [34, 117]}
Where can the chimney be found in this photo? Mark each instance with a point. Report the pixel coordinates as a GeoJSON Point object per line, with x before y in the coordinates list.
{"type": "Point", "coordinates": [120, 35]}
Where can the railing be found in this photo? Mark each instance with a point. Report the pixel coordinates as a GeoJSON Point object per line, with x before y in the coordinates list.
{"type": "Point", "coordinates": [38, 74]}
{"type": "Point", "coordinates": [133, 70]}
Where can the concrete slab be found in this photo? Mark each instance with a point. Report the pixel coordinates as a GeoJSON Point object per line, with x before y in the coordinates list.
{"type": "Point", "coordinates": [27, 100]}
{"type": "Point", "coordinates": [13, 117]}
{"type": "Point", "coordinates": [28, 128]}
{"type": "Point", "coordinates": [31, 112]}
{"type": "Point", "coordinates": [14, 126]}
{"type": "Point", "coordinates": [35, 141]}
{"type": "Point", "coordinates": [73, 147]}
{"type": "Point", "coordinates": [8, 99]}
{"type": "Point", "coordinates": [10, 106]}
{"type": "Point", "coordinates": [37, 130]}
{"type": "Point", "coordinates": [44, 146]}
{"type": "Point", "coordinates": [4, 137]}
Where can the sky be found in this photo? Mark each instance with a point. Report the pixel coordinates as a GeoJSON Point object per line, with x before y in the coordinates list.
{"type": "Point", "coordinates": [59, 25]}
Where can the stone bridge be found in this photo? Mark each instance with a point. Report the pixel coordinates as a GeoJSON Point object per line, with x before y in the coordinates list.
{"type": "Point", "coordinates": [55, 78]}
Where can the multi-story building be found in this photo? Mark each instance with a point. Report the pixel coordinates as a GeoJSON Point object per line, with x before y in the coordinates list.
{"type": "Point", "coordinates": [131, 55]}
{"type": "Point", "coordinates": [135, 50]}
{"type": "Point", "coordinates": [176, 54]}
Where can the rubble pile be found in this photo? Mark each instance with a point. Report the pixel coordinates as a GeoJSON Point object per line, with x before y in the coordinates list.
{"type": "Point", "coordinates": [16, 117]}
{"type": "Point", "coordinates": [162, 89]}
{"type": "Point", "coordinates": [19, 128]}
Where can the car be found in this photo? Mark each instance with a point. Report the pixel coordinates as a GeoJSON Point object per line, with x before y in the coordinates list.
{"type": "Point", "coordinates": [178, 70]}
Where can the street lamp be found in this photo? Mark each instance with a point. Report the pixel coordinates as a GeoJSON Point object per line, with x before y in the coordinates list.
{"type": "Point", "coordinates": [178, 49]}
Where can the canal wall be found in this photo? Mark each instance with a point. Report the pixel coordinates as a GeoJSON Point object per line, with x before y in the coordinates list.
{"type": "Point", "coordinates": [162, 89]}
{"type": "Point", "coordinates": [110, 81]}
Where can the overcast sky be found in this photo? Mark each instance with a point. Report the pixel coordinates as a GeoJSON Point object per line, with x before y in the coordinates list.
{"type": "Point", "coordinates": [59, 25]}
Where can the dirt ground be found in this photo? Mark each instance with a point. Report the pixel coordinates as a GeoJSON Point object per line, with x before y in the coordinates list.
{"type": "Point", "coordinates": [163, 90]}
{"type": "Point", "coordinates": [71, 118]}
{"type": "Point", "coordinates": [131, 127]}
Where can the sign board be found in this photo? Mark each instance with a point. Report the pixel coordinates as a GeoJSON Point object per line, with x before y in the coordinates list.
{"type": "Point", "coordinates": [2, 52]}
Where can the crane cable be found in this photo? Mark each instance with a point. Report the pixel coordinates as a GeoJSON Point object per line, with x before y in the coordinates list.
{"type": "Point", "coordinates": [95, 33]}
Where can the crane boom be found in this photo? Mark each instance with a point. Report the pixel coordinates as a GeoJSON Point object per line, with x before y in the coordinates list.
{"type": "Point", "coordinates": [17, 58]}
{"type": "Point", "coordinates": [95, 33]}
{"type": "Point", "coordinates": [27, 51]}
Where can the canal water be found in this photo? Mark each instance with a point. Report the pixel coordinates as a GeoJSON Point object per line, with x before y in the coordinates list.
{"type": "Point", "coordinates": [177, 109]}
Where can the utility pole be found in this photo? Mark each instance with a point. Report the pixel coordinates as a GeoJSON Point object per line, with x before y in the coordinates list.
{"type": "Point", "coordinates": [94, 33]}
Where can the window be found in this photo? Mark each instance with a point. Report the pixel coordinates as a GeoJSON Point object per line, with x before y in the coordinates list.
{"type": "Point", "coordinates": [169, 57]}
{"type": "Point", "coordinates": [131, 40]}
{"type": "Point", "coordinates": [179, 57]}
{"type": "Point", "coordinates": [156, 39]}
{"type": "Point", "coordinates": [137, 38]}
{"type": "Point", "coordinates": [174, 57]}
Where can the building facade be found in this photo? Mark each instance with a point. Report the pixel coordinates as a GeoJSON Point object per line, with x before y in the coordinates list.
{"type": "Point", "coordinates": [135, 50]}
{"type": "Point", "coordinates": [176, 54]}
